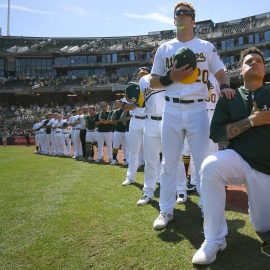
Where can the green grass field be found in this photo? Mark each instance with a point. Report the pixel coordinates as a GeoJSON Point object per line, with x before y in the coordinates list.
{"type": "Point", "coordinates": [59, 213]}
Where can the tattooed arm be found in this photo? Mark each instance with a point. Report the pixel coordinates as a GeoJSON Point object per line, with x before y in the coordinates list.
{"type": "Point", "coordinates": [235, 129]}
{"type": "Point", "coordinates": [256, 118]}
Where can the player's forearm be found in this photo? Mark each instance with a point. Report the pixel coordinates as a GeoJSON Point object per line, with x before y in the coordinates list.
{"type": "Point", "coordinates": [155, 82]}
{"type": "Point", "coordinates": [128, 106]}
{"type": "Point", "coordinates": [222, 77]}
{"type": "Point", "coordinates": [237, 128]}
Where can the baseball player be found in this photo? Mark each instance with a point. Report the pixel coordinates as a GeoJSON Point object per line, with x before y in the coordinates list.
{"type": "Point", "coordinates": [48, 133]}
{"type": "Point", "coordinates": [245, 122]}
{"type": "Point", "coordinates": [105, 133]}
{"type": "Point", "coordinates": [125, 118]}
{"type": "Point", "coordinates": [154, 104]}
{"type": "Point", "coordinates": [71, 123]}
{"type": "Point", "coordinates": [84, 111]}
{"type": "Point", "coordinates": [119, 137]}
{"type": "Point", "coordinates": [91, 133]}
{"type": "Point", "coordinates": [78, 153]}
{"type": "Point", "coordinates": [42, 134]}
{"type": "Point", "coordinates": [55, 135]}
{"type": "Point", "coordinates": [211, 102]}
{"type": "Point", "coordinates": [65, 140]}
{"type": "Point", "coordinates": [36, 128]}
{"type": "Point", "coordinates": [185, 112]}
{"type": "Point", "coordinates": [135, 139]}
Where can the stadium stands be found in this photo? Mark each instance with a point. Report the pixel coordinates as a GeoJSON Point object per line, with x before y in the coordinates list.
{"type": "Point", "coordinates": [38, 70]}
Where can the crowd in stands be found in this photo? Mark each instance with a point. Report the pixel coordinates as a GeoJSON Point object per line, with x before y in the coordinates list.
{"type": "Point", "coordinates": [240, 26]}
{"type": "Point", "coordinates": [66, 45]}
{"type": "Point", "coordinates": [36, 82]}
{"type": "Point", "coordinates": [22, 45]}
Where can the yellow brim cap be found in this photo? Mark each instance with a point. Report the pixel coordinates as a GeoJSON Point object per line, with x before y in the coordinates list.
{"type": "Point", "coordinates": [192, 78]}
{"type": "Point", "coordinates": [141, 99]}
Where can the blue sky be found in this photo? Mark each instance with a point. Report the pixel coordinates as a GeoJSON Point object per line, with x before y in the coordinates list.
{"type": "Point", "coordinates": [107, 18]}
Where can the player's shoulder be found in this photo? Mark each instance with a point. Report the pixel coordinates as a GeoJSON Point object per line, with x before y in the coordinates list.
{"type": "Point", "coordinates": [203, 42]}
{"type": "Point", "coordinates": [167, 44]}
{"type": "Point", "coordinates": [144, 78]}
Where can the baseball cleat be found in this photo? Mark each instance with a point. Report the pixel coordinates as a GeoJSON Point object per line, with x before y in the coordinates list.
{"type": "Point", "coordinates": [143, 200]}
{"type": "Point", "coordinates": [191, 188]}
{"type": "Point", "coordinates": [162, 221]}
{"type": "Point", "coordinates": [127, 182]}
{"type": "Point", "coordinates": [207, 253]}
{"type": "Point", "coordinates": [181, 198]}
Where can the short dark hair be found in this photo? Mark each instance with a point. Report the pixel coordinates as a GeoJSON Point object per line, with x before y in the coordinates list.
{"type": "Point", "coordinates": [251, 50]}
{"type": "Point", "coordinates": [144, 69]}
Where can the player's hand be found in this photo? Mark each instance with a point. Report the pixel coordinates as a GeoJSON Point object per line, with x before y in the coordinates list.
{"type": "Point", "coordinates": [259, 117]}
{"type": "Point", "coordinates": [229, 93]}
{"type": "Point", "coordinates": [178, 74]}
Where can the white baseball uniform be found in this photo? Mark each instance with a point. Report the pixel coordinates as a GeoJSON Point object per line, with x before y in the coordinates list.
{"type": "Point", "coordinates": [135, 140]}
{"type": "Point", "coordinates": [154, 105]}
{"type": "Point", "coordinates": [211, 103]}
{"type": "Point", "coordinates": [37, 136]}
{"type": "Point", "coordinates": [186, 118]}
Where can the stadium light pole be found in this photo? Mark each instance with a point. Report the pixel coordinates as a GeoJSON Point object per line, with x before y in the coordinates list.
{"type": "Point", "coordinates": [8, 18]}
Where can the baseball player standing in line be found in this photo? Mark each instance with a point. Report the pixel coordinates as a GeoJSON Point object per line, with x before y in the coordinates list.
{"type": "Point", "coordinates": [65, 141]}
{"type": "Point", "coordinates": [42, 135]}
{"type": "Point", "coordinates": [135, 136]}
{"type": "Point", "coordinates": [54, 135]}
{"type": "Point", "coordinates": [211, 102]}
{"type": "Point", "coordinates": [35, 128]}
{"type": "Point", "coordinates": [48, 133]}
{"type": "Point", "coordinates": [105, 133]}
{"type": "Point", "coordinates": [84, 111]}
{"type": "Point", "coordinates": [77, 131]}
{"type": "Point", "coordinates": [245, 122]}
{"type": "Point", "coordinates": [185, 112]}
{"type": "Point", "coordinates": [154, 104]}
{"type": "Point", "coordinates": [71, 123]}
{"type": "Point", "coordinates": [91, 133]}
{"type": "Point", "coordinates": [125, 118]}
{"type": "Point", "coordinates": [119, 137]}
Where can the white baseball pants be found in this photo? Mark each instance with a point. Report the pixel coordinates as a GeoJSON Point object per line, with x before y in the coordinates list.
{"type": "Point", "coordinates": [227, 167]}
{"type": "Point", "coordinates": [180, 121]}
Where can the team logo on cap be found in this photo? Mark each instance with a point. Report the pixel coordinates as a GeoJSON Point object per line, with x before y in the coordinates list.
{"type": "Point", "coordinates": [185, 56]}
{"type": "Point", "coordinates": [134, 94]}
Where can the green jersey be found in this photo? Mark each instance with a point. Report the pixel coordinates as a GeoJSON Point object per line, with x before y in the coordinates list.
{"type": "Point", "coordinates": [90, 121]}
{"type": "Point", "coordinates": [105, 127]}
{"type": "Point", "coordinates": [116, 115]}
{"type": "Point", "coordinates": [254, 144]}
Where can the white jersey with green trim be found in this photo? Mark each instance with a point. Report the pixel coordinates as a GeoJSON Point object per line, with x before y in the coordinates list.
{"type": "Point", "coordinates": [214, 91]}
{"type": "Point", "coordinates": [208, 61]}
{"type": "Point", "coordinates": [154, 100]}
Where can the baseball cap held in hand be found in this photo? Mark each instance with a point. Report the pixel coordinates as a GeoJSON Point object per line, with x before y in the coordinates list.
{"type": "Point", "coordinates": [184, 56]}
{"type": "Point", "coordinates": [134, 94]}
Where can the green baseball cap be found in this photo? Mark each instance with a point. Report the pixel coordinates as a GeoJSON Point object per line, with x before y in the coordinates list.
{"type": "Point", "coordinates": [134, 94]}
{"type": "Point", "coordinates": [184, 56]}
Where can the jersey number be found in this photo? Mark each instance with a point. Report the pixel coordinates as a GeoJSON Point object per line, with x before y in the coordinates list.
{"type": "Point", "coordinates": [203, 76]}
{"type": "Point", "coordinates": [212, 98]}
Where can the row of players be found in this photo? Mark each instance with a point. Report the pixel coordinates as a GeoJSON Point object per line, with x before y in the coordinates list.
{"type": "Point", "coordinates": [136, 130]}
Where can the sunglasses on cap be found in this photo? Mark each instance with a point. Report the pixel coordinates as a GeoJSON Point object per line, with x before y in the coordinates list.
{"type": "Point", "coordinates": [184, 12]}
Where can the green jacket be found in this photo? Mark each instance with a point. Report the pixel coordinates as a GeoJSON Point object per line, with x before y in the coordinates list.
{"type": "Point", "coordinates": [254, 144]}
